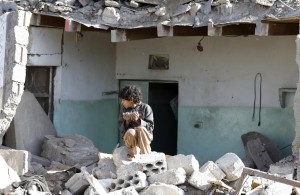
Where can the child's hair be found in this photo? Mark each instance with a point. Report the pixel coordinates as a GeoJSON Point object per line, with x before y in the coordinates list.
{"type": "Point", "coordinates": [131, 92]}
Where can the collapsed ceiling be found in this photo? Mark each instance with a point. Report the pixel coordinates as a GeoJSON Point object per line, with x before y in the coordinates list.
{"type": "Point", "coordinates": [132, 14]}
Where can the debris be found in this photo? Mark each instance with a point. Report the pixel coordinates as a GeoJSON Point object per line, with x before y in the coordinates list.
{"type": "Point", "coordinates": [110, 3]}
{"type": "Point", "coordinates": [199, 180]}
{"type": "Point", "coordinates": [189, 163]}
{"type": "Point", "coordinates": [106, 167]}
{"type": "Point", "coordinates": [93, 182]}
{"type": "Point", "coordinates": [161, 11]}
{"type": "Point", "coordinates": [181, 10]}
{"type": "Point", "coordinates": [136, 179]}
{"type": "Point", "coordinates": [161, 188]}
{"type": "Point", "coordinates": [83, 153]}
{"type": "Point", "coordinates": [84, 2]}
{"type": "Point", "coordinates": [77, 184]}
{"type": "Point", "coordinates": [8, 175]}
{"type": "Point", "coordinates": [111, 15]}
{"type": "Point", "coordinates": [18, 160]}
{"type": "Point", "coordinates": [173, 177]}
{"type": "Point", "coordinates": [213, 169]}
{"type": "Point", "coordinates": [232, 166]}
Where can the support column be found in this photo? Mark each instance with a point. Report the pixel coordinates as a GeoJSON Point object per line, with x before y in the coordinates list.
{"type": "Point", "coordinates": [296, 142]}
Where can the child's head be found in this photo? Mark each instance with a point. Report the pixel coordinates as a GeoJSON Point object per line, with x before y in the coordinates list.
{"type": "Point", "coordinates": [131, 93]}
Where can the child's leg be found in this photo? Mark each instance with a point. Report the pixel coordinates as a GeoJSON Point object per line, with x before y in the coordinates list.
{"type": "Point", "coordinates": [143, 140]}
{"type": "Point", "coordinates": [130, 140]}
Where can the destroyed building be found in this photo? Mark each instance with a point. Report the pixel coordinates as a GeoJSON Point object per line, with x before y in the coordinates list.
{"type": "Point", "coordinates": [195, 61]}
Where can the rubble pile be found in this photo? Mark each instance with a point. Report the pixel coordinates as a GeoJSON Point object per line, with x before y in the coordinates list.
{"type": "Point", "coordinates": [114, 174]}
{"type": "Point", "coordinates": [129, 14]}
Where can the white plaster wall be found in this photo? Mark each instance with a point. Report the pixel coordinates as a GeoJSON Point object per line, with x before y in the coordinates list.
{"type": "Point", "coordinates": [221, 75]}
{"type": "Point", "coordinates": [45, 46]}
{"type": "Point", "coordinates": [88, 67]}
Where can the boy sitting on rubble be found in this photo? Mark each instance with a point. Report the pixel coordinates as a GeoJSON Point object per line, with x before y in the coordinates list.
{"type": "Point", "coordinates": [135, 122]}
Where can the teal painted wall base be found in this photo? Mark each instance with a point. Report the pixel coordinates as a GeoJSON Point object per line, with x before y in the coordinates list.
{"type": "Point", "coordinates": [220, 129]}
{"type": "Point", "coordinates": [97, 120]}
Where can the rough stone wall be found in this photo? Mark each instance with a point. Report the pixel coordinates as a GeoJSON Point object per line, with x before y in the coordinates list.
{"type": "Point", "coordinates": [13, 59]}
{"type": "Point", "coordinates": [296, 143]}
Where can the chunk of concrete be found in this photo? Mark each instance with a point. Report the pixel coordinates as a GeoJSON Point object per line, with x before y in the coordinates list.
{"type": "Point", "coordinates": [189, 163]}
{"type": "Point", "coordinates": [199, 180]}
{"type": "Point", "coordinates": [181, 10]}
{"type": "Point", "coordinates": [111, 15]}
{"type": "Point", "coordinates": [29, 127]}
{"type": "Point", "coordinates": [106, 167]}
{"type": "Point", "coordinates": [211, 168]}
{"type": "Point", "coordinates": [277, 188]}
{"type": "Point", "coordinates": [83, 153]}
{"type": "Point", "coordinates": [150, 164]}
{"type": "Point", "coordinates": [18, 160]}
{"type": "Point", "coordinates": [137, 180]}
{"type": "Point", "coordinates": [84, 2]}
{"type": "Point", "coordinates": [120, 156]}
{"type": "Point", "coordinates": [173, 177]}
{"type": "Point", "coordinates": [161, 188]}
{"type": "Point", "coordinates": [161, 11]}
{"type": "Point", "coordinates": [232, 166]}
{"type": "Point", "coordinates": [126, 191]}
{"type": "Point", "coordinates": [110, 3]}
{"type": "Point", "coordinates": [8, 175]}
{"type": "Point", "coordinates": [77, 184]}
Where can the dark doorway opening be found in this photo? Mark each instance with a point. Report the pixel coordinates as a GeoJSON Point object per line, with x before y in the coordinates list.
{"type": "Point", "coordinates": [163, 100]}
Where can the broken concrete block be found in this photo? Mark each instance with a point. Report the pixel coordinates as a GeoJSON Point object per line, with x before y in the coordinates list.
{"type": "Point", "coordinates": [81, 154]}
{"type": "Point", "coordinates": [134, 4]}
{"type": "Point", "coordinates": [226, 9]}
{"type": "Point", "coordinates": [255, 191]}
{"type": "Point", "coordinates": [77, 184]}
{"type": "Point", "coordinates": [213, 169]}
{"type": "Point", "coordinates": [199, 180]}
{"type": "Point", "coordinates": [161, 188]}
{"type": "Point", "coordinates": [232, 166]}
{"type": "Point", "coordinates": [182, 9]}
{"type": "Point", "coordinates": [189, 163]}
{"type": "Point", "coordinates": [18, 160]}
{"type": "Point", "coordinates": [29, 127]}
{"type": "Point", "coordinates": [195, 7]}
{"type": "Point", "coordinates": [84, 2]}
{"type": "Point", "coordinates": [105, 183]}
{"type": "Point", "coordinates": [126, 191]}
{"type": "Point", "coordinates": [173, 177]}
{"type": "Point", "coordinates": [150, 164]}
{"type": "Point", "coordinates": [120, 156]}
{"type": "Point", "coordinates": [268, 3]}
{"type": "Point", "coordinates": [8, 175]}
{"type": "Point", "coordinates": [111, 15]}
{"type": "Point", "coordinates": [106, 167]}
{"type": "Point", "coordinates": [277, 188]}
{"type": "Point", "coordinates": [135, 179]}
{"type": "Point", "coordinates": [161, 11]}
{"type": "Point", "coordinates": [110, 3]}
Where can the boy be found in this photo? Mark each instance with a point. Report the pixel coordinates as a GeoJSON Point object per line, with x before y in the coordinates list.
{"type": "Point", "coordinates": [135, 122]}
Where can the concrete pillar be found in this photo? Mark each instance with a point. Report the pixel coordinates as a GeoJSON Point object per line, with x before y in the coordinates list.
{"type": "Point", "coordinates": [14, 37]}
{"type": "Point", "coordinates": [296, 142]}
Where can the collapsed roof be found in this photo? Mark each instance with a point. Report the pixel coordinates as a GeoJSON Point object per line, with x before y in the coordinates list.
{"type": "Point", "coordinates": [132, 14]}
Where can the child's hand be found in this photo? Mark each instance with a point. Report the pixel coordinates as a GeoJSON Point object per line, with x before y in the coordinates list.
{"type": "Point", "coordinates": [126, 116]}
{"type": "Point", "coordinates": [135, 116]}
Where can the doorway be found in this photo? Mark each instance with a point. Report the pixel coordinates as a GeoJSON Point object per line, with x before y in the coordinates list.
{"type": "Point", "coordinates": [163, 98]}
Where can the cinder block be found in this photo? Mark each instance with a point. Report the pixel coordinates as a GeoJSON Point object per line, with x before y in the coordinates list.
{"type": "Point", "coordinates": [19, 73]}
{"type": "Point", "coordinates": [106, 169]}
{"type": "Point", "coordinates": [20, 55]}
{"type": "Point", "coordinates": [77, 184]}
{"type": "Point", "coordinates": [18, 160]}
{"type": "Point", "coordinates": [21, 35]}
{"type": "Point", "coordinates": [161, 188]}
{"type": "Point", "coordinates": [126, 191]}
{"type": "Point", "coordinates": [199, 180]}
{"type": "Point", "coordinates": [211, 168]}
{"type": "Point", "coordinates": [150, 164]}
{"type": "Point", "coordinates": [135, 179]}
{"type": "Point", "coordinates": [173, 177]}
{"type": "Point", "coordinates": [232, 166]}
{"type": "Point", "coordinates": [189, 163]}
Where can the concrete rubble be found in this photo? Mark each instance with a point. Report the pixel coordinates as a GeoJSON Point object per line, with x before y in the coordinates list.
{"type": "Point", "coordinates": [152, 174]}
{"type": "Point", "coordinates": [130, 14]}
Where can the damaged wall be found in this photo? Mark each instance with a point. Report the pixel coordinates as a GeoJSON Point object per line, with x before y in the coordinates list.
{"type": "Point", "coordinates": [88, 70]}
{"type": "Point", "coordinates": [13, 58]}
{"type": "Point", "coordinates": [216, 87]}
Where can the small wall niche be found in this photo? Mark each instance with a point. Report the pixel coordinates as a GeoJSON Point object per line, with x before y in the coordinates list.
{"type": "Point", "coordinates": [158, 62]}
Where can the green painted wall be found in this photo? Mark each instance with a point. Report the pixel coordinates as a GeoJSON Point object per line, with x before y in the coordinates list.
{"type": "Point", "coordinates": [222, 128]}
{"type": "Point", "coordinates": [97, 120]}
